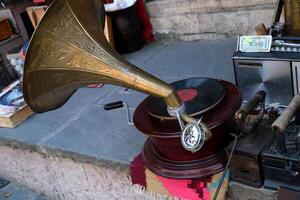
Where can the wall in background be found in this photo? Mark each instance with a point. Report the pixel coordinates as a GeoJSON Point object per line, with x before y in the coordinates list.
{"type": "Point", "coordinates": [208, 19]}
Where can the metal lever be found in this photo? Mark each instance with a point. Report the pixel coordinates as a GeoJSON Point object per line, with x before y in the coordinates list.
{"type": "Point", "coordinates": [259, 97]}
{"type": "Point", "coordinates": [240, 116]}
{"type": "Point", "coordinates": [2, 4]}
{"type": "Point", "coordinates": [283, 43]}
{"type": "Point", "coordinates": [282, 122]}
{"type": "Point", "coordinates": [119, 104]}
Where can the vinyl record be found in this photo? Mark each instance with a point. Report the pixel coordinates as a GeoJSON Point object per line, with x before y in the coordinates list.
{"type": "Point", "coordinates": [198, 95]}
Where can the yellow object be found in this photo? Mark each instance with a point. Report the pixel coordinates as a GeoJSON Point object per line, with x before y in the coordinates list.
{"type": "Point", "coordinates": [154, 185]}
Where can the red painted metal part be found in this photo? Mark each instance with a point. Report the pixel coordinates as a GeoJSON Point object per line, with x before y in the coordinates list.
{"type": "Point", "coordinates": [163, 153]}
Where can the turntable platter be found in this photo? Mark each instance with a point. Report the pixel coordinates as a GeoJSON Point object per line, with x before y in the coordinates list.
{"type": "Point", "coordinates": [198, 94]}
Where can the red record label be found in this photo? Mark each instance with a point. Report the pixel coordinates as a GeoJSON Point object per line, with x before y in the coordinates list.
{"type": "Point", "coordinates": [187, 94]}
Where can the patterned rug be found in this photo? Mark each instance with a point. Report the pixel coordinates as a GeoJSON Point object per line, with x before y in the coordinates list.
{"type": "Point", "coordinates": [189, 189]}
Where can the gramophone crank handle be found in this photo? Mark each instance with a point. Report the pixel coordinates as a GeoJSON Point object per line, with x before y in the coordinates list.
{"type": "Point", "coordinates": [113, 105]}
{"type": "Point", "coordinates": [281, 123]}
{"type": "Point", "coordinates": [250, 105]}
{"type": "Point", "coordinates": [119, 104]}
{"type": "Point", "coordinates": [283, 120]}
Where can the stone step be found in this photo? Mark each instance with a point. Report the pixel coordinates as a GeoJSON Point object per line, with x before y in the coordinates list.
{"type": "Point", "coordinates": [211, 19]}
{"type": "Point", "coordinates": [62, 178]}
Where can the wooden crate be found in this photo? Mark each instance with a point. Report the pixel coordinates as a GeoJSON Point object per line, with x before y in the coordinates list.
{"type": "Point", "coordinates": [35, 14]}
{"type": "Point", "coordinates": [6, 30]}
{"type": "Point", "coordinates": [16, 118]}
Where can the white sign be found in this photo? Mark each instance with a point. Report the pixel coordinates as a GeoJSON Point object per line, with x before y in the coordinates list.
{"type": "Point", "coordinates": [255, 43]}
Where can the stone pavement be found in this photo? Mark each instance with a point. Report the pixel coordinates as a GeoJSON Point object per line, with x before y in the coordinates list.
{"type": "Point", "coordinates": [14, 191]}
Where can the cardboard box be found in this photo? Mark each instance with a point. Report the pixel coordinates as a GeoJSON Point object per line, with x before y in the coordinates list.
{"type": "Point", "coordinates": [6, 30]}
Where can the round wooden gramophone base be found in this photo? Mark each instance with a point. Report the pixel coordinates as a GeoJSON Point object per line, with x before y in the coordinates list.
{"type": "Point", "coordinates": [206, 166]}
{"type": "Point", "coordinates": [163, 152]}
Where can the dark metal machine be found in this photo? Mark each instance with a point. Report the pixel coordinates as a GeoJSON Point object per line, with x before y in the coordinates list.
{"type": "Point", "coordinates": [281, 160]}
{"type": "Point", "coordinates": [245, 166]}
{"type": "Point", "coordinates": [255, 134]}
{"type": "Point", "coordinates": [259, 158]}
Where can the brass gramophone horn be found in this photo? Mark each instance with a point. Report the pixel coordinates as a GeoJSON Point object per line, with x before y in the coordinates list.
{"type": "Point", "coordinates": [69, 50]}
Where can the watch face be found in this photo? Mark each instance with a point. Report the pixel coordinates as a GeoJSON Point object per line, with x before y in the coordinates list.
{"type": "Point", "coordinates": [193, 137]}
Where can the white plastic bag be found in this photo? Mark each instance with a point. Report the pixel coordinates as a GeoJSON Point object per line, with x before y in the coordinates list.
{"type": "Point", "coordinates": [118, 5]}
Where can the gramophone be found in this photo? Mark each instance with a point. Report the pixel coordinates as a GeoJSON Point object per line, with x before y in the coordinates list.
{"type": "Point", "coordinates": [188, 122]}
